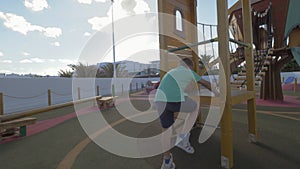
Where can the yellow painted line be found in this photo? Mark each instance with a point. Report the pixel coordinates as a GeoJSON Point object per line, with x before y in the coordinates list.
{"type": "Point", "coordinates": [70, 158]}
{"type": "Point", "coordinates": [278, 114]}
{"type": "Point", "coordinates": [283, 116]}
{"type": "Point", "coordinates": [292, 113]}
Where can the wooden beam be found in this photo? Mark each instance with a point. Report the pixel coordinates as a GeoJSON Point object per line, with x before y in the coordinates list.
{"type": "Point", "coordinates": [233, 7]}
{"type": "Point", "coordinates": [237, 97]}
{"type": "Point", "coordinates": [241, 96]}
{"type": "Point", "coordinates": [247, 22]}
{"type": "Point", "coordinates": [17, 123]}
{"type": "Point", "coordinates": [5, 118]}
{"type": "Point", "coordinates": [1, 104]}
{"type": "Point", "coordinates": [225, 89]}
{"type": "Point", "coordinates": [162, 39]}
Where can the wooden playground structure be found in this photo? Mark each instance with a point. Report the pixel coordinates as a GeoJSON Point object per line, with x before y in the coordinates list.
{"type": "Point", "coordinates": [260, 39]}
{"type": "Point", "coordinates": [266, 34]}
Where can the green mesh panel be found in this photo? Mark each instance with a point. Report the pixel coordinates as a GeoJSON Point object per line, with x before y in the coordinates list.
{"type": "Point", "coordinates": [293, 17]}
{"type": "Point", "coordinates": [296, 54]}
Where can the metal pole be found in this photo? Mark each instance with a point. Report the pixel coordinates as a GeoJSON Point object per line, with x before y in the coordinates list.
{"type": "Point", "coordinates": [113, 39]}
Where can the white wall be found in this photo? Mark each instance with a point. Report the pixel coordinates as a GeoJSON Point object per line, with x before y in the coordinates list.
{"type": "Point", "coordinates": [22, 94]}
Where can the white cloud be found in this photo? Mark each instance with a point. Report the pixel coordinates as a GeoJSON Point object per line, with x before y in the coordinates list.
{"type": "Point", "coordinates": [122, 8]}
{"type": "Point", "coordinates": [25, 61]}
{"type": "Point", "coordinates": [19, 24]}
{"type": "Point", "coordinates": [98, 22]}
{"type": "Point", "coordinates": [1, 54]}
{"type": "Point", "coordinates": [52, 32]}
{"type": "Point", "coordinates": [36, 5]}
{"type": "Point", "coordinates": [37, 60]}
{"type": "Point", "coordinates": [51, 60]}
{"type": "Point", "coordinates": [40, 60]}
{"type": "Point", "coordinates": [55, 44]}
{"type": "Point", "coordinates": [33, 60]}
{"type": "Point", "coordinates": [87, 34]}
{"type": "Point", "coordinates": [67, 61]}
{"type": "Point", "coordinates": [90, 1]}
{"type": "Point", "coordinates": [85, 1]}
{"type": "Point", "coordinates": [101, 1]}
{"type": "Point", "coordinates": [6, 61]}
{"type": "Point", "coordinates": [25, 53]}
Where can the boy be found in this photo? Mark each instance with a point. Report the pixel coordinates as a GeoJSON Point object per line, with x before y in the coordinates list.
{"type": "Point", "coordinates": [171, 98]}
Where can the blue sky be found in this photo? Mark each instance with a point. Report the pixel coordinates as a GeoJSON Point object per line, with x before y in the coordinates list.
{"type": "Point", "coordinates": [43, 36]}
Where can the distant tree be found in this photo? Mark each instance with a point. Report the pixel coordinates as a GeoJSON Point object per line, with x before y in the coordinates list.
{"type": "Point", "coordinates": [107, 70]}
{"type": "Point", "coordinates": [65, 73]}
{"type": "Point", "coordinates": [81, 70]}
{"type": "Point", "coordinates": [291, 66]}
{"type": "Point", "coordinates": [205, 59]}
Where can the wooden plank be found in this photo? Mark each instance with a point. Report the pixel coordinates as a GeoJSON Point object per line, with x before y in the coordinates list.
{"type": "Point", "coordinates": [1, 104]}
{"type": "Point", "coordinates": [106, 98]}
{"type": "Point", "coordinates": [242, 83]}
{"type": "Point", "coordinates": [17, 123]}
{"type": "Point", "coordinates": [259, 74]}
{"type": "Point", "coordinates": [264, 68]}
{"type": "Point", "coordinates": [41, 110]}
{"type": "Point", "coordinates": [248, 36]}
{"type": "Point", "coordinates": [244, 78]}
{"type": "Point", "coordinates": [241, 96]}
{"type": "Point", "coordinates": [225, 89]}
{"type": "Point", "coordinates": [237, 97]}
{"type": "Point", "coordinates": [104, 102]}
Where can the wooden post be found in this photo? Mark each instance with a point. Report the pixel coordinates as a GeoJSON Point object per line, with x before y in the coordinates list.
{"type": "Point", "coordinates": [98, 90]}
{"type": "Point", "coordinates": [49, 97]}
{"type": "Point", "coordinates": [78, 92]}
{"type": "Point", "coordinates": [248, 38]}
{"type": "Point", "coordinates": [225, 90]}
{"type": "Point", "coordinates": [1, 104]}
{"type": "Point", "coordinates": [282, 79]}
{"type": "Point", "coordinates": [295, 85]}
{"type": "Point", "coordinates": [113, 90]}
{"type": "Point", "coordinates": [130, 90]}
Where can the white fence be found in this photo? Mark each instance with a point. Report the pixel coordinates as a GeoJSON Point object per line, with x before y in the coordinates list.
{"type": "Point", "coordinates": [21, 94]}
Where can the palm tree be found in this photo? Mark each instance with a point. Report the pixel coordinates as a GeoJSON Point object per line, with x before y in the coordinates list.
{"type": "Point", "coordinates": [205, 60]}
{"type": "Point", "coordinates": [81, 70]}
{"type": "Point", "coordinates": [65, 73]}
{"type": "Point", "coordinates": [107, 70]}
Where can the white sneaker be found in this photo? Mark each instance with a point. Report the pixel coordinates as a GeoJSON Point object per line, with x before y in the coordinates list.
{"type": "Point", "coordinates": [170, 165]}
{"type": "Point", "coordinates": [186, 145]}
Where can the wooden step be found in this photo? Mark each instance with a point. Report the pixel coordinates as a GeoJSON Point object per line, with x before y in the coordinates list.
{"type": "Point", "coordinates": [242, 82]}
{"type": "Point", "coordinates": [259, 74]}
{"type": "Point", "coordinates": [269, 57]}
{"type": "Point", "coordinates": [264, 68]}
{"type": "Point", "coordinates": [239, 87]}
{"type": "Point", "coordinates": [267, 62]}
{"type": "Point", "coordinates": [244, 78]}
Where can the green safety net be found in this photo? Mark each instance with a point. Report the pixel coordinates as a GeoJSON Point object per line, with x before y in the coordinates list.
{"type": "Point", "coordinates": [293, 18]}
{"type": "Point", "coordinates": [296, 54]}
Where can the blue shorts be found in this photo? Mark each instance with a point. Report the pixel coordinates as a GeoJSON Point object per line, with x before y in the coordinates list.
{"type": "Point", "coordinates": [167, 110]}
